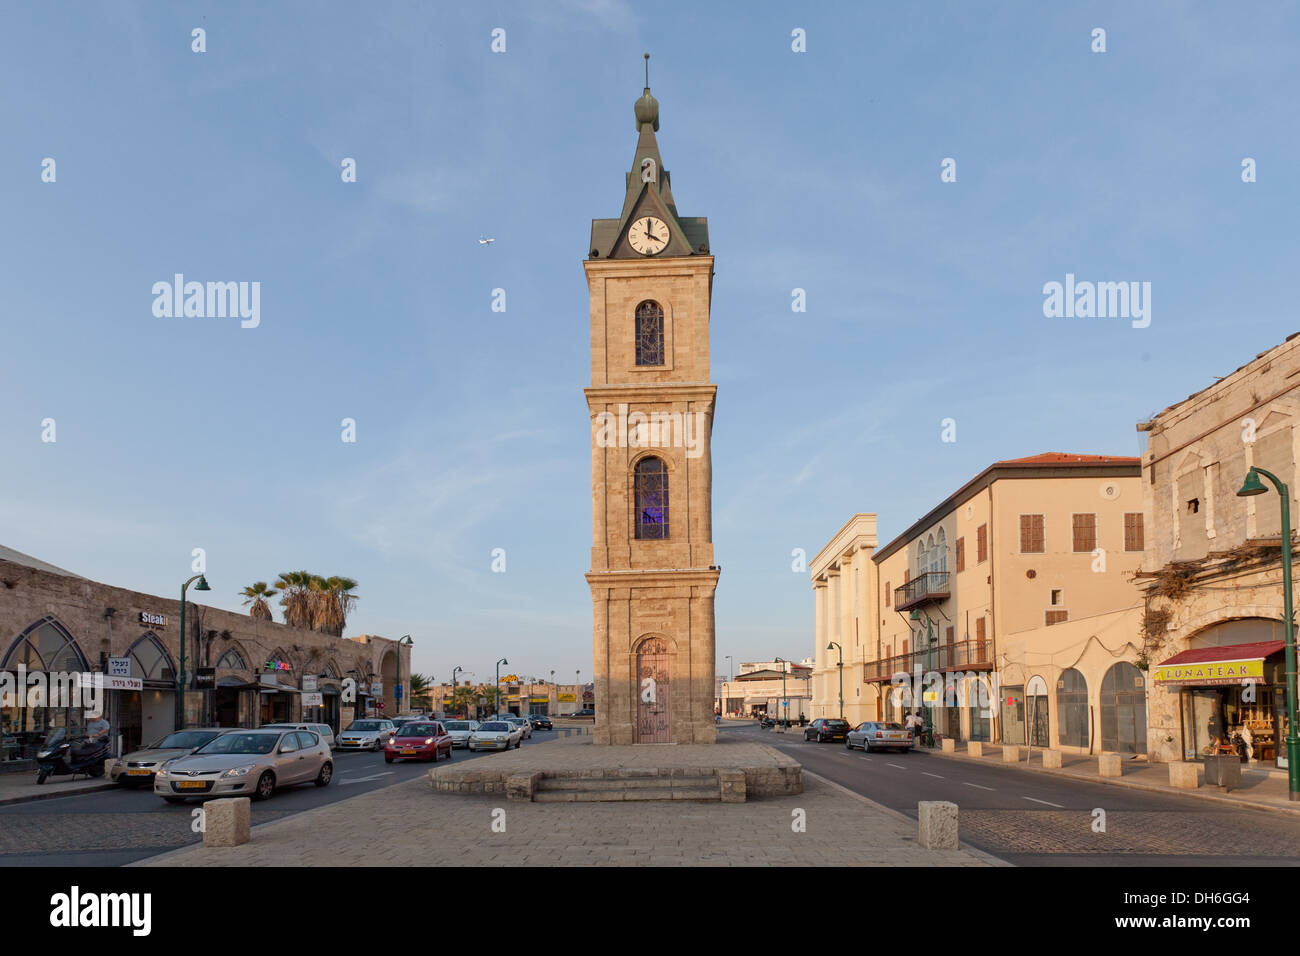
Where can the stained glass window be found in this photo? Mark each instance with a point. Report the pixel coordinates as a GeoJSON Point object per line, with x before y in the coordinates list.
{"type": "Point", "coordinates": [649, 334]}
{"type": "Point", "coordinates": [651, 493]}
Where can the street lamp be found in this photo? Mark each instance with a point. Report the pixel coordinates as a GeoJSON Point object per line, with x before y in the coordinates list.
{"type": "Point", "coordinates": [497, 700]}
{"type": "Point", "coordinates": [832, 644]}
{"type": "Point", "coordinates": [1253, 486]}
{"type": "Point", "coordinates": [785, 704]}
{"type": "Point", "coordinates": [454, 672]}
{"type": "Point", "coordinates": [180, 677]}
{"type": "Point", "coordinates": [397, 688]}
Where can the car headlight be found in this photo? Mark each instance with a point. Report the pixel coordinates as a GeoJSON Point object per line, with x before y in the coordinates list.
{"type": "Point", "coordinates": [162, 771]}
{"type": "Point", "coordinates": [429, 741]}
{"type": "Point", "coordinates": [237, 772]}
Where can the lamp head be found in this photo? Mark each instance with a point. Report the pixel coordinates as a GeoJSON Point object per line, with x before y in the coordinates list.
{"type": "Point", "coordinates": [915, 615]}
{"type": "Point", "coordinates": [1252, 485]}
{"type": "Point", "coordinates": [202, 585]}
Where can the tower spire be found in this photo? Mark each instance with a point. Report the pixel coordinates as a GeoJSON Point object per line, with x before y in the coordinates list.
{"type": "Point", "coordinates": [647, 107]}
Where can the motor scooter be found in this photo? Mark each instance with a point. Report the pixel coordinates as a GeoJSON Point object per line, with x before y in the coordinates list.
{"type": "Point", "coordinates": [60, 756]}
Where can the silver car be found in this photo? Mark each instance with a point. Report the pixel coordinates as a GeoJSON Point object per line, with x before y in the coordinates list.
{"type": "Point", "coordinates": [460, 731]}
{"type": "Point", "coordinates": [246, 763]}
{"type": "Point", "coordinates": [369, 733]}
{"type": "Point", "coordinates": [322, 730]}
{"type": "Point", "coordinates": [139, 766]}
{"type": "Point", "coordinates": [879, 735]}
{"type": "Point", "coordinates": [495, 735]}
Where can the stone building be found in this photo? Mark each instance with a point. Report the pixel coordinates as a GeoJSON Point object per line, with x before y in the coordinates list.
{"type": "Point", "coordinates": [653, 577]}
{"type": "Point", "coordinates": [1211, 575]}
{"type": "Point", "coordinates": [1014, 591]}
{"type": "Point", "coordinates": [517, 697]}
{"type": "Point", "coordinates": [774, 688]}
{"type": "Point", "coordinates": [239, 671]}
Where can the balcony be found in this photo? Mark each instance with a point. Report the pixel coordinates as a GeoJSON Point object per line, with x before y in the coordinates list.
{"type": "Point", "coordinates": [961, 655]}
{"type": "Point", "coordinates": [928, 588]}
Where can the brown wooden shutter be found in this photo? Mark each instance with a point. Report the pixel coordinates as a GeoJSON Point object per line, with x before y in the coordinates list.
{"type": "Point", "coordinates": [1085, 532]}
{"type": "Point", "coordinates": [1134, 536]}
{"type": "Point", "coordinates": [981, 544]}
{"type": "Point", "coordinates": [961, 554]}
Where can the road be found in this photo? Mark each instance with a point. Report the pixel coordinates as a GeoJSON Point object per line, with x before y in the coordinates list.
{"type": "Point", "coordinates": [1031, 818]}
{"type": "Point", "coordinates": [112, 828]}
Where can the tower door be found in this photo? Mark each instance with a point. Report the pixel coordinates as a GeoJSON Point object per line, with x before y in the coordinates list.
{"type": "Point", "coordinates": [653, 693]}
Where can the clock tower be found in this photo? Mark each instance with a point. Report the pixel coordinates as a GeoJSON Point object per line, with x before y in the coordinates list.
{"type": "Point", "coordinates": [652, 578]}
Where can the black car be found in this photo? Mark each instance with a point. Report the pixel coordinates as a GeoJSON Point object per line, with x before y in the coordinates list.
{"type": "Point", "coordinates": [826, 728]}
{"type": "Point", "coordinates": [541, 721]}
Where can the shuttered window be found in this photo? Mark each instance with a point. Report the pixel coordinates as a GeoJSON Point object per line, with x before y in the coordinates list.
{"type": "Point", "coordinates": [1057, 617]}
{"type": "Point", "coordinates": [1031, 534]}
{"type": "Point", "coordinates": [1134, 533]}
{"type": "Point", "coordinates": [981, 544]}
{"type": "Point", "coordinates": [961, 554]}
{"type": "Point", "coordinates": [1085, 532]}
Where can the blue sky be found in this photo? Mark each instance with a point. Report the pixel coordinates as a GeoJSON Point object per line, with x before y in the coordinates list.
{"type": "Point", "coordinates": [817, 170]}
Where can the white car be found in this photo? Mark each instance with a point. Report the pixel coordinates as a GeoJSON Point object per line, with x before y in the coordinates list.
{"type": "Point", "coordinates": [460, 731]}
{"type": "Point", "coordinates": [322, 731]}
{"type": "Point", "coordinates": [369, 733]}
{"type": "Point", "coordinates": [525, 727]}
{"type": "Point", "coordinates": [495, 735]}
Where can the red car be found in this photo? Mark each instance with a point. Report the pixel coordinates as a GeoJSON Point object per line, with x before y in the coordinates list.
{"type": "Point", "coordinates": [418, 740]}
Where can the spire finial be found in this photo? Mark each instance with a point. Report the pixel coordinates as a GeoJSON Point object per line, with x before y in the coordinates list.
{"type": "Point", "coordinates": [647, 107]}
{"type": "Point", "coordinates": [647, 71]}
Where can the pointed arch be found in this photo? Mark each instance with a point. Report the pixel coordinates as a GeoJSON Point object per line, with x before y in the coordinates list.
{"type": "Point", "coordinates": [150, 660]}
{"type": "Point", "coordinates": [45, 645]}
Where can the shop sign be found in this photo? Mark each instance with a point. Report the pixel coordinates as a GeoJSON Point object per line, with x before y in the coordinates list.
{"type": "Point", "coordinates": [567, 698]}
{"type": "Point", "coordinates": [205, 678]}
{"type": "Point", "coordinates": [929, 696]}
{"type": "Point", "coordinates": [268, 680]}
{"type": "Point", "coordinates": [309, 682]}
{"type": "Point", "coordinates": [119, 667]}
{"type": "Point", "coordinates": [377, 689]}
{"type": "Point", "coordinates": [149, 619]}
{"type": "Point", "coordinates": [538, 700]}
{"type": "Point", "coordinates": [277, 665]}
{"type": "Point", "coordinates": [510, 679]}
{"type": "Point", "coordinates": [1211, 673]}
{"type": "Point", "coordinates": [313, 700]}
{"type": "Point", "coordinates": [588, 695]}
{"type": "Point", "coordinates": [123, 683]}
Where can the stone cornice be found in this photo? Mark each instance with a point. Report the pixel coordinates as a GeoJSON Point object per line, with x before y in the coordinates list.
{"type": "Point", "coordinates": [648, 392]}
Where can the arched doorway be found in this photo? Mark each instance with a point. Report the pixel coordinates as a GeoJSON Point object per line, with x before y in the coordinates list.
{"type": "Point", "coordinates": [653, 692]}
{"type": "Point", "coordinates": [1036, 712]}
{"type": "Point", "coordinates": [1072, 708]}
{"type": "Point", "coordinates": [1124, 710]}
{"type": "Point", "coordinates": [44, 646]}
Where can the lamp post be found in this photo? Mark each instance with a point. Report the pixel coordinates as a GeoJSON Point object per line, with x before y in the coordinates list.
{"type": "Point", "coordinates": [840, 665]}
{"type": "Point", "coordinates": [397, 687]}
{"type": "Point", "coordinates": [497, 700]}
{"type": "Point", "coordinates": [785, 705]}
{"type": "Point", "coordinates": [454, 672]}
{"type": "Point", "coordinates": [1253, 486]}
{"type": "Point", "coordinates": [180, 677]}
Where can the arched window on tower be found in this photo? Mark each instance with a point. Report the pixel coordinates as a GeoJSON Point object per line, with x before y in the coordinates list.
{"type": "Point", "coordinates": [650, 491]}
{"type": "Point", "coordinates": [649, 334]}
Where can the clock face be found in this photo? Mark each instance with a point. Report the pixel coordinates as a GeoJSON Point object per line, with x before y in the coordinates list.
{"type": "Point", "coordinates": [648, 235]}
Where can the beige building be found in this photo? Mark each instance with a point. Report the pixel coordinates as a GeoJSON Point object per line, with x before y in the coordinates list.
{"type": "Point", "coordinates": [766, 687]}
{"type": "Point", "coordinates": [239, 671]}
{"type": "Point", "coordinates": [1213, 636]}
{"type": "Point", "coordinates": [1014, 591]}
{"type": "Point", "coordinates": [517, 697]}
{"type": "Point", "coordinates": [653, 577]}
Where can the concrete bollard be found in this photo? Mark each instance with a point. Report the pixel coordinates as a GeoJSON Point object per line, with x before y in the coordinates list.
{"type": "Point", "coordinates": [975, 748]}
{"type": "Point", "coordinates": [226, 822]}
{"type": "Point", "coordinates": [1110, 765]}
{"type": "Point", "coordinates": [1011, 755]}
{"type": "Point", "coordinates": [937, 824]}
{"type": "Point", "coordinates": [949, 745]}
{"type": "Point", "coordinates": [1182, 774]}
{"type": "Point", "coordinates": [1052, 759]}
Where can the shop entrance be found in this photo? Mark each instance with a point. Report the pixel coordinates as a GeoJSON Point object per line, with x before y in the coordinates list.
{"type": "Point", "coordinates": [1013, 715]}
{"type": "Point", "coordinates": [1036, 712]}
{"type": "Point", "coordinates": [1124, 710]}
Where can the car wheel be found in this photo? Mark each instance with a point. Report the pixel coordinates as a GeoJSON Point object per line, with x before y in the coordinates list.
{"type": "Point", "coordinates": [265, 786]}
{"type": "Point", "coordinates": [387, 759]}
{"type": "Point", "coordinates": [450, 750]}
{"type": "Point", "coordinates": [847, 744]}
{"type": "Point", "coordinates": [326, 774]}
{"type": "Point", "coordinates": [375, 748]}
{"type": "Point", "coordinates": [174, 799]}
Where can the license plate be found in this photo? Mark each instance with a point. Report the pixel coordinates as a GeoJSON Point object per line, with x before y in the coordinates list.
{"type": "Point", "coordinates": [407, 750]}
{"type": "Point", "coordinates": [137, 772]}
{"type": "Point", "coordinates": [191, 784]}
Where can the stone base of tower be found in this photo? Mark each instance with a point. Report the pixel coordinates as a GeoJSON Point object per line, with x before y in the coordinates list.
{"type": "Point", "coordinates": [654, 656]}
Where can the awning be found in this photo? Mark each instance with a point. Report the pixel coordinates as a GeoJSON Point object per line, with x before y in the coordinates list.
{"type": "Point", "coordinates": [1217, 666]}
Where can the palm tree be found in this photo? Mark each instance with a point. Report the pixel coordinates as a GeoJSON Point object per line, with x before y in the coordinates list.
{"type": "Point", "coordinates": [256, 595]}
{"type": "Point", "coordinates": [297, 602]}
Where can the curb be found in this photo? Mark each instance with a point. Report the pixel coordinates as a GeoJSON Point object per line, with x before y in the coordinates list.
{"type": "Point", "coordinates": [1121, 782]}
{"type": "Point", "coordinates": [54, 795]}
{"type": "Point", "coordinates": [988, 858]}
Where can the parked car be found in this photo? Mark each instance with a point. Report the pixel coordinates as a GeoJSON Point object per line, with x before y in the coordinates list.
{"type": "Point", "coordinates": [541, 722]}
{"type": "Point", "coordinates": [404, 719]}
{"type": "Point", "coordinates": [246, 763]}
{"type": "Point", "coordinates": [495, 735]}
{"type": "Point", "coordinates": [588, 712]}
{"type": "Point", "coordinates": [826, 728]}
{"type": "Point", "coordinates": [875, 735]}
{"type": "Point", "coordinates": [138, 767]}
{"type": "Point", "coordinates": [370, 733]}
{"type": "Point", "coordinates": [459, 731]}
{"type": "Point", "coordinates": [323, 730]}
{"type": "Point", "coordinates": [524, 724]}
{"type": "Point", "coordinates": [418, 740]}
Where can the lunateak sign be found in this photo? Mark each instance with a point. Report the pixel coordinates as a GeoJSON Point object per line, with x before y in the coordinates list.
{"type": "Point", "coordinates": [1210, 673]}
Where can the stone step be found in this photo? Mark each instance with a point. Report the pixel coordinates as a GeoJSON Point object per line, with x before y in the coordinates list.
{"type": "Point", "coordinates": [625, 783]}
{"type": "Point", "coordinates": [710, 793]}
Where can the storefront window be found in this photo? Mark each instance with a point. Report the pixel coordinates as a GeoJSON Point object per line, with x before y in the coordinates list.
{"type": "Point", "coordinates": [45, 646]}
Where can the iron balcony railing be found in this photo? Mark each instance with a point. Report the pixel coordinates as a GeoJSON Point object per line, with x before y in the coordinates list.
{"type": "Point", "coordinates": [961, 655]}
{"type": "Point", "coordinates": [923, 589]}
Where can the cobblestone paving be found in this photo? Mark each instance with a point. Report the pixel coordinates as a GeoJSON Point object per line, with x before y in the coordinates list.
{"type": "Point", "coordinates": [56, 832]}
{"type": "Point", "coordinates": [411, 825]}
{"type": "Point", "coordinates": [1128, 832]}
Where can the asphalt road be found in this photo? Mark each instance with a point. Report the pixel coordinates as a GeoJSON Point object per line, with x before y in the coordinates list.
{"type": "Point", "coordinates": [1032, 818]}
{"type": "Point", "coordinates": [115, 827]}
